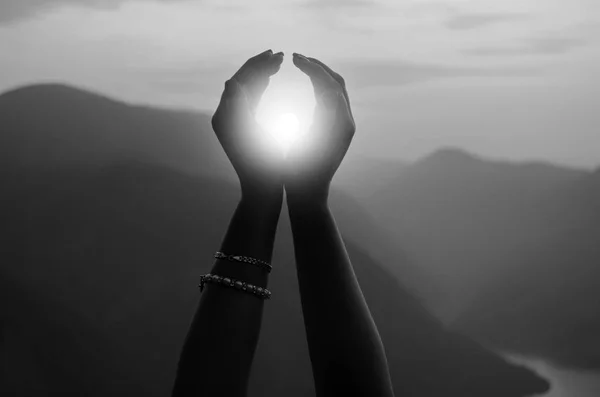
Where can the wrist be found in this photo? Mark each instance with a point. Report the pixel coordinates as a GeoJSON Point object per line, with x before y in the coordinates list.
{"type": "Point", "coordinates": [261, 191]}
{"type": "Point", "coordinates": [314, 199]}
{"type": "Point", "coordinates": [263, 200]}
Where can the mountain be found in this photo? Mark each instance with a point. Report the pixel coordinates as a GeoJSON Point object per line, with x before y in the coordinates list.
{"type": "Point", "coordinates": [115, 254]}
{"type": "Point", "coordinates": [53, 124]}
{"type": "Point", "coordinates": [512, 250]}
{"type": "Point", "coordinates": [100, 261]}
{"type": "Point", "coordinates": [361, 175]}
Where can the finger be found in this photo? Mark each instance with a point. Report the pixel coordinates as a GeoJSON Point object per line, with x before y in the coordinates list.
{"type": "Point", "coordinates": [234, 93]}
{"type": "Point", "coordinates": [257, 79]}
{"type": "Point", "coordinates": [321, 80]}
{"type": "Point", "coordinates": [250, 63]}
{"type": "Point", "coordinates": [233, 103]}
{"type": "Point", "coordinates": [334, 114]}
{"type": "Point", "coordinates": [333, 74]}
{"type": "Point", "coordinates": [274, 63]}
{"type": "Point", "coordinates": [261, 66]}
{"type": "Point", "coordinates": [337, 78]}
{"type": "Point", "coordinates": [256, 73]}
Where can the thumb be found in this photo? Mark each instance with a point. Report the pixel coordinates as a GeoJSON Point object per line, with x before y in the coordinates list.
{"type": "Point", "coordinates": [234, 94]}
{"type": "Point", "coordinates": [232, 109]}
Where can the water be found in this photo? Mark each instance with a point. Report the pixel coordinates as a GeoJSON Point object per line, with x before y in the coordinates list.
{"type": "Point", "coordinates": [565, 382]}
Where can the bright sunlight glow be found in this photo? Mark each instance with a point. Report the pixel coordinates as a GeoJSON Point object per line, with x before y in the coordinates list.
{"type": "Point", "coordinates": [286, 129]}
{"type": "Point", "coordinates": [286, 108]}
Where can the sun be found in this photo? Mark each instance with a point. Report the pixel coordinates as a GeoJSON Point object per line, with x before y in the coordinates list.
{"type": "Point", "coordinates": [286, 108]}
{"type": "Point", "coordinates": [286, 129]}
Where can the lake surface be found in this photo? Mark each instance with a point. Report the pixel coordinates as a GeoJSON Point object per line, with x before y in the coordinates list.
{"type": "Point", "coordinates": [565, 382]}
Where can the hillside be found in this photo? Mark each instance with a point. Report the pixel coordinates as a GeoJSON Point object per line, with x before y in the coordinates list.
{"type": "Point", "coordinates": [115, 254]}
{"type": "Point", "coordinates": [53, 124]}
{"type": "Point", "coordinates": [512, 248]}
{"type": "Point", "coordinates": [100, 240]}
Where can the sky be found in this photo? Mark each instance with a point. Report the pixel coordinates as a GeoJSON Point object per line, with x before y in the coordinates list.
{"type": "Point", "coordinates": [510, 79]}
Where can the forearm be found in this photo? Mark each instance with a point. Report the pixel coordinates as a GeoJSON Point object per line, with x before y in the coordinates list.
{"type": "Point", "coordinates": [220, 345]}
{"type": "Point", "coordinates": [345, 348]}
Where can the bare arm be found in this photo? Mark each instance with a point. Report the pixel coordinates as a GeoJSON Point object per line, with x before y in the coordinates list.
{"type": "Point", "coordinates": [220, 345]}
{"type": "Point", "coordinates": [346, 351]}
{"type": "Point", "coordinates": [219, 348]}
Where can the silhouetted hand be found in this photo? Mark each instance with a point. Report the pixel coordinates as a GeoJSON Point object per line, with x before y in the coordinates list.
{"type": "Point", "coordinates": [315, 157]}
{"type": "Point", "coordinates": [254, 154]}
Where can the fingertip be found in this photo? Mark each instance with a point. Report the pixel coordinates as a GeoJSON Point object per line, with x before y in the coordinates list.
{"type": "Point", "coordinates": [301, 57]}
{"type": "Point", "coordinates": [278, 56]}
{"type": "Point", "coordinates": [275, 63]}
{"type": "Point", "coordinates": [295, 60]}
{"type": "Point", "coordinates": [299, 60]}
{"type": "Point", "coordinates": [300, 65]}
{"type": "Point", "coordinates": [263, 55]}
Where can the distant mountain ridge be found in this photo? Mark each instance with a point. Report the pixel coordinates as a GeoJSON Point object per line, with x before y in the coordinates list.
{"type": "Point", "coordinates": [120, 248]}
{"type": "Point", "coordinates": [116, 237]}
{"type": "Point", "coordinates": [513, 249]}
{"type": "Point", "coordinates": [66, 125]}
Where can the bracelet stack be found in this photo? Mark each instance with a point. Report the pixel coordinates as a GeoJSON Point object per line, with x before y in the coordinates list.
{"type": "Point", "coordinates": [246, 259]}
{"type": "Point", "coordinates": [260, 292]}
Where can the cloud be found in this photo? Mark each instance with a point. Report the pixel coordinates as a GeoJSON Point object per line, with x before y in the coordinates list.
{"type": "Point", "coordinates": [473, 21]}
{"type": "Point", "coordinates": [538, 46]}
{"type": "Point", "coordinates": [15, 10]}
{"type": "Point", "coordinates": [364, 74]}
{"type": "Point", "coordinates": [359, 74]}
{"type": "Point", "coordinates": [199, 78]}
{"type": "Point", "coordinates": [338, 4]}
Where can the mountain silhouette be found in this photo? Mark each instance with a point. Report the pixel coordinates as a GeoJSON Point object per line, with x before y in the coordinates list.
{"type": "Point", "coordinates": [54, 124]}
{"type": "Point", "coordinates": [513, 250]}
{"type": "Point", "coordinates": [101, 256]}
{"type": "Point", "coordinates": [122, 247]}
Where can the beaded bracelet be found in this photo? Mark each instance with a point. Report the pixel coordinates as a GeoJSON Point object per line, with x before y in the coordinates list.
{"type": "Point", "coordinates": [233, 283]}
{"type": "Point", "coordinates": [246, 259]}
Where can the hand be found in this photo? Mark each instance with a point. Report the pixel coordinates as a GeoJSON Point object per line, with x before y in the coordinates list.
{"type": "Point", "coordinates": [314, 158]}
{"type": "Point", "coordinates": [254, 154]}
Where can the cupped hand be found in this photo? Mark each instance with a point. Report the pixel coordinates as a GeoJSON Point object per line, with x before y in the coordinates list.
{"type": "Point", "coordinates": [314, 158]}
{"type": "Point", "coordinates": [254, 154]}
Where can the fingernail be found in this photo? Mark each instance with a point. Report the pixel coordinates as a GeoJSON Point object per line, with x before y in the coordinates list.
{"type": "Point", "coordinates": [279, 53]}
{"type": "Point", "coordinates": [301, 57]}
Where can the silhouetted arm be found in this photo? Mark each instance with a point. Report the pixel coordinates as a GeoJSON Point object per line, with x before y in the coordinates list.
{"type": "Point", "coordinates": [346, 351]}
{"type": "Point", "coordinates": [219, 348]}
{"type": "Point", "coordinates": [220, 345]}
{"type": "Point", "coordinates": [345, 348]}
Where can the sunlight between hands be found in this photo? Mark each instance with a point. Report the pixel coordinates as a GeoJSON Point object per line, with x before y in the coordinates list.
{"type": "Point", "coordinates": [254, 154]}
{"type": "Point", "coordinates": [313, 160]}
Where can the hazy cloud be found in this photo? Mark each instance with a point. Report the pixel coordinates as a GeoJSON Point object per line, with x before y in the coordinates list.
{"type": "Point", "coordinates": [360, 74]}
{"type": "Point", "coordinates": [337, 4]}
{"type": "Point", "coordinates": [14, 10]}
{"type": "Point", "coordinates": [200, 78]}
{"type": "Point", "coordinates": [473, 21]}
{"type": "Point", "coordinates": [364, 74]}
{"type": "Point", "coordinates": [538, 46]}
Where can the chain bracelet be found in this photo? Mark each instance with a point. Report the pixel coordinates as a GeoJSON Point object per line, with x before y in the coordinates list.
{"type": "Point", "coordinates": [246, 259]}
{"type": "Point", "coordinates": [260, 292]}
